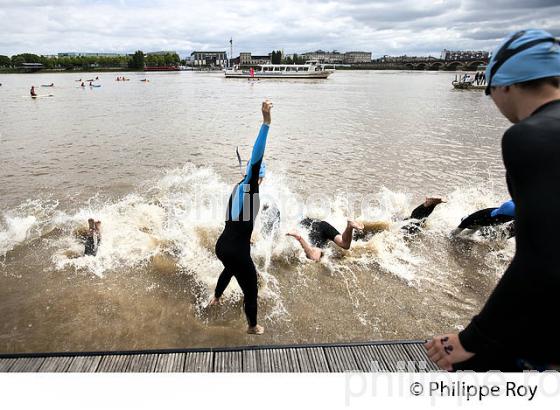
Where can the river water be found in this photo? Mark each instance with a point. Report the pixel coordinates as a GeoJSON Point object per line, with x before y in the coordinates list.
{"type": "Point", "coordinates": [155, 162]}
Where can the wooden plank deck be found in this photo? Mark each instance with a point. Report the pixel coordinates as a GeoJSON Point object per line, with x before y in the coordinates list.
{"type": "Point", "coordinates": [390, 356]}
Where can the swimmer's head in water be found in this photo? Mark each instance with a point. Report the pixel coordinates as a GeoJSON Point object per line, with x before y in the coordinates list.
{"type": "Point", "coordinates": [91, 223]}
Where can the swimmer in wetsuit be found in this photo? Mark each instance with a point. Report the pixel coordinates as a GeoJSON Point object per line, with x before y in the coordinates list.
{"type": "Point", "coordinates": [515, 329]}
{"type": "Point", "coordinates": [321, 233]}
{"type": "Point", "coordinates": [233, 247]}
{"type": "Point", "coordinates": [489, 217]}
{"type": "Point", "coordinates": [417, 220]}
{"type": "Point", "coordinates": [93, 237]}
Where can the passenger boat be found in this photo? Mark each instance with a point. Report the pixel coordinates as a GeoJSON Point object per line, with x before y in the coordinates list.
{"type": "Point", "coordinates": [466, 81]}
{"type": "Point", "coordinates": [311, 69]}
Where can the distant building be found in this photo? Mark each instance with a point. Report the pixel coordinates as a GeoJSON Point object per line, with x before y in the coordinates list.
{"type": "Point", "coordinates": [448, 55]}
{"type": "Point", "coordinates": [30, 67]}
{"type": "Point", "coordinates": [247, 59]}
{"type": "Point", "coordinates": [328, 57]}
{"type": "Point", "coordinates": [357, 57]}
{"type": "Point", "coordinates": [79, 54]}
{"type": "Point", "coordinates": [209, 58]}
{"type": "Point", "coordinates": [161, 53]}
{"type": "Point", "coordinates": [404, 59]}
{"type": "Point", "coordinates": [334, 57]}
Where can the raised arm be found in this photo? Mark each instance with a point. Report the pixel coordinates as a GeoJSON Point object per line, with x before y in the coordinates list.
{"type": "Point", "coordinates": [260, 144]}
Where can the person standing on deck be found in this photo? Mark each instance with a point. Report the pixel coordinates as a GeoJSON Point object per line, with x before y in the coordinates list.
{"type": "Point", "coordinates": [233, 247]}
{"type": "Point", "coordinates": [515, 330]}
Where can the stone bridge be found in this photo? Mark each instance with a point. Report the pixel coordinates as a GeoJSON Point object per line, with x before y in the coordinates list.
{"type": "Point", "coordinates": [427, 64]}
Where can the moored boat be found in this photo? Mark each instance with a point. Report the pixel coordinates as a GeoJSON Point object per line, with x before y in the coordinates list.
{"type": "Point", "coordinates": [309, 70]}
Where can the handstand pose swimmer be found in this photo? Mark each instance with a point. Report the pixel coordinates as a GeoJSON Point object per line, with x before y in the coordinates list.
{"type": "Point", "coordinates": [233, 247]}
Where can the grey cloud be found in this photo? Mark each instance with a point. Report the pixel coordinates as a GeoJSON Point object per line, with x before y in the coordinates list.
{"type": "Point", "coordinates": [383, 27]}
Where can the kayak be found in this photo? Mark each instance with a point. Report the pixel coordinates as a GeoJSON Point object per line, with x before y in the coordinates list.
{"type": "Point", "coordinates": [47, 85]}
{"type": "Point", "coordinates": [40, 96]}
{"type": "Point", "coordinates": [95, 85]}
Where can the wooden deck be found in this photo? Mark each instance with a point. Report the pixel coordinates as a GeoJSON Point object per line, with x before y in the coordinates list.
{"type": "Point", "coordinates": [391, 356]}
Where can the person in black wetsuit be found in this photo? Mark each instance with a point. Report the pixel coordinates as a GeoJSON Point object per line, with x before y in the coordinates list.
{"type": "Point", "coordinates": [489, 217]}
{"type": "Point", "coordinates": [516, 328]}
{"type": "Point", "coordinates": [93, 238]}
{"type": "Point", "coordinates": [419, 215]}
{"type": "Point", "coordinates": [417, 220]}
{"type": "Point", "coordinates": [233, 247]}
{"type": "Point", "coordinates": [321, 233]}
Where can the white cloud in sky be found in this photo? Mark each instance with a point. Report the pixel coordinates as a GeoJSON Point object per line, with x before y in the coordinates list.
{"type": "Point", "coordinates": [382, 27]}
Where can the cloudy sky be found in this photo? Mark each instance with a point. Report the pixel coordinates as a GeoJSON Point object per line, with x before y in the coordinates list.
{"type": "Point", "coordinates": [395, 27]}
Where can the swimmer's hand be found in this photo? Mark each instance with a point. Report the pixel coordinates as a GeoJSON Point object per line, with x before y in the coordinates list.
{"type": "Point", "coordinates": [266, 107]}
{"type": "Point", "coordinates": [446, 350]}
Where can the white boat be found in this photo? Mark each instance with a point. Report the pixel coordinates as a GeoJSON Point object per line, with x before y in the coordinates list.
{"type": "Point", "coordinates": [311, 69]}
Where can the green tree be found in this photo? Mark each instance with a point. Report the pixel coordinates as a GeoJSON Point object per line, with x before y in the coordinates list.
{"type": "Point", "coordinates": [276, 57]}
{"type": "Point", "coordinates": [5, 61]}
{"type": "Point", "coordinates": [17, 60]}
{"type": "Point", "coordinates": [137, 60]}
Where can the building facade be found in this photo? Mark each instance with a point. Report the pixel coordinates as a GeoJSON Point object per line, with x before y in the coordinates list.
{"type": "Point", "coordinates": [327, 57]}
{"type": "Point", "coordinates": [79, 54]}
{"type": "Point", "coordinates": [247, 59]}
{"type": "Point", "coordinates": [449, 55]}
{"type": "Point", "coordinates": [357, 57]}
{"type": "Point", "coordinates": [209, 59]}
{"type": "Point", "coordinates": [334, 57]}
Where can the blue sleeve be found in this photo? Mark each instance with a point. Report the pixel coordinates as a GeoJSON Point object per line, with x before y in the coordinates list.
{"type": "Point", "coordinates": [258, 153]}
{"type": "Point", "coordinates": [252, 175]}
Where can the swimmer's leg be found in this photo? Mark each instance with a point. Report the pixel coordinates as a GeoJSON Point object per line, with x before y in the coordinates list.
{"type": "Point", "coordinates": [223, 282]}
{"type": "Point", "coordinates": [345, 240]}
{"type": "Point", "coordinates": [311, 252]}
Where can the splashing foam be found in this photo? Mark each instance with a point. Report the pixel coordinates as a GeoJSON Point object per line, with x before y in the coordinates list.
{"type": "Point", "coordinates": [173, 224]}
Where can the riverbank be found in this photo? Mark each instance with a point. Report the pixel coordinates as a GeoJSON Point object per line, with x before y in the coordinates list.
{"type": "Point", "coordinates": [63, 71]}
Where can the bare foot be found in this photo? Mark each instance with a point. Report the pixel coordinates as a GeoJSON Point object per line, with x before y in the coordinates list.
{"type": "Point", "coordinates": [255, 330]}
{"type": "Point", "coordinates": [294, 234]}
{"type": "Point", "coordinates": [215, 301]}
{"type": "Point", "coordinates": [356, 225]}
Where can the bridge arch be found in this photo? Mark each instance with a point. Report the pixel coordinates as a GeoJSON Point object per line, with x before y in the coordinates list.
{"type": "Point", "coordinates": [454, 66]}
{"type": "Point", "coordinates": [473, 65]}
{"type": "Point", "coordinates": [420, 66]}
{"type": "Point", "coordinates": [438, 65]}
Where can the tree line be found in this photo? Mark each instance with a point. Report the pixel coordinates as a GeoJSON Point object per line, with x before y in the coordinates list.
{"type": "Point", "coordinates": [277, 57]}
{"type": "Point", "coordinates": [134, 61]}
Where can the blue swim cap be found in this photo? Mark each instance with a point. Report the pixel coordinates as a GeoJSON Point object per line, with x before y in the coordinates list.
{"type": "Point", "coordinates": [262, 170]}
{"type": "Point", "coordinates": [525, 55]}
{"type": "Point", "coordinates": [507, 208]}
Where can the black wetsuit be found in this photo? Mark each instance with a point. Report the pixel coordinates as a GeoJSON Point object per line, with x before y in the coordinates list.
{"type": "Point", "coordinates": [519, 319]}
{"type": "Point", "coordinates": [320, 232]}
{"type": "Point", "coordinates": [484, 218]}
{"type": "Point", "coordinates": [92, 242]}
{"type": "Point", "coordinates": [233, 247]}
{"type": "Point", "coordinates": [420, 213]}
